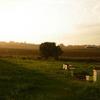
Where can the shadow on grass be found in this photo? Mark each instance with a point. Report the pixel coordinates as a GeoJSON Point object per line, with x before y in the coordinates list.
{"type": "Point", "coordinates": [19, 83]}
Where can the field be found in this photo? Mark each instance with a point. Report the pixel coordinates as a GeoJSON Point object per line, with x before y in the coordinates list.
{"type": "Point", "coordinates": [71, 54]}
{"type": "Point", "coordinates": [16, 52]}
{"type": "Point", "coordinates": [82, 52]}
{"type": "Point", "coordinates": [26, 79]}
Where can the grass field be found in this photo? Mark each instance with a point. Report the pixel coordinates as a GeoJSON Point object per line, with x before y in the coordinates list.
{"type": "Point", "coordinates": [23, 79]}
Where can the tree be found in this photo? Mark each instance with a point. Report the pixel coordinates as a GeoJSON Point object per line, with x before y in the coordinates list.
{"type": "Point", "coordinates": [49, 49]}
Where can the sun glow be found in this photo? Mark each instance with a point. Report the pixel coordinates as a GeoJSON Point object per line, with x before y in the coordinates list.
{"type": "Point", "coordinates": [33, 21]}
{"type": "Point", "coordinates": [43, 20]}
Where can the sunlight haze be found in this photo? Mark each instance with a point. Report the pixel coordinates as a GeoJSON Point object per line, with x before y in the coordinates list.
{"type": "Point", "coordinates": [60, 21]}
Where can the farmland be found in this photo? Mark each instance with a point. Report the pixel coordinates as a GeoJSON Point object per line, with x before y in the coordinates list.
{"type": "Point", "coordinates": [23, 76]}
{"type": "Point", "coordinates": [25, 79]}
{"type": "Point", "coordinates": [25, 49]}
{"type": "Point", "coordinates": [84, 52]}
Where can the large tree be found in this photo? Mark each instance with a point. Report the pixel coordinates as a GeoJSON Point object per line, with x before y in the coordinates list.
{"type": "Point", "coordinates": [49, 49]}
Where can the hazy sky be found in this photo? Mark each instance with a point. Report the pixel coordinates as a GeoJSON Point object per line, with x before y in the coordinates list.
{"type": "Point", "coordinates": [61, 21]}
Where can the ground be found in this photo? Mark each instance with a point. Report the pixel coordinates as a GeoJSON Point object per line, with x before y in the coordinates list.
{"type": "Point", "coordinates": [23, 79]}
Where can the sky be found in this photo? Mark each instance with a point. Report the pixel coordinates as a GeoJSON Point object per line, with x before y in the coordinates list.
{"type": "Point", "coordinates": [61, 21]}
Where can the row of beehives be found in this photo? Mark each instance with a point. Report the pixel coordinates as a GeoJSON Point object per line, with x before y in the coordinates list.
{"type": "Point", "coordinates": [96, 72]}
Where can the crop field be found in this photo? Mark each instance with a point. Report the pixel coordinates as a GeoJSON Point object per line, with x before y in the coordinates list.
{"type": "Point", "coordinates": [15, 52]}
{"type": "Point", "coordinates": [82, 52]}
{"type": "Point", "coordinates": [68, 52]}
{"type": "Point", "coordinates": [25, 79]}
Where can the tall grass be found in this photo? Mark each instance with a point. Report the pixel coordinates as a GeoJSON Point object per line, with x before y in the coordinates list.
{"type": "Point", "coordinates": [24, 79]}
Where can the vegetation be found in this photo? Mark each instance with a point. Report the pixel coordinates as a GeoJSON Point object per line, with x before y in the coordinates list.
{"type": "Point", "coordinates": [49, 49]}
{"type": "Point", "coordinates": [70, 53]}
{"type": "Point", "coordinates": [25, 79]}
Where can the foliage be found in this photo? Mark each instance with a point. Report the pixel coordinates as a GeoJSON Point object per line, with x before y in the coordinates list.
{"type": "Point", "coordinates": [24, 79]}
{"type": "Point", "coordinates": [49, 49]}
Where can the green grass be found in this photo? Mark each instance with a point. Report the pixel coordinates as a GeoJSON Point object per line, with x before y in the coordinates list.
{"type": "Point", "coordinates": [43, 80]}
